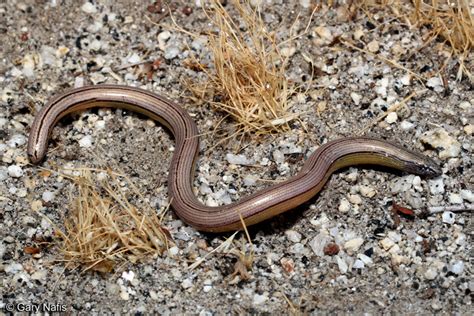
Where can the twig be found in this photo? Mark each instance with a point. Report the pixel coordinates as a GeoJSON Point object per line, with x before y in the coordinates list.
{"type": "Point", "coordinates": [464, 207]}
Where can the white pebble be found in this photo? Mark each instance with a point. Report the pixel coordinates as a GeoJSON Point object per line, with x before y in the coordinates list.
{"type": "Point", "coordinates": [17, 140]}
{"type": "Point", "coordinates": [406, 125]}
{"type": "Point", "coordinates": [391, 118]}
{"type": "Point", "coordinates": [187, 283]}
{"type": "Point", "coordinates": [239, 160]}
{"type": "Point", "coordinates": [48, 196]}
{"type": "Point", "coordinates": [28, 66]}
{"type": "Point", "coordinates": [434, 82]}
{"type": "Point", "coordinates": [13, 268]}
{"type": "Point", "coordinates": [250, 180]}
{"type": "Point", "coordinates": [358, 264]}
{"type": "Point", "coordinates": [171, 52]}
{"type": "Point", "coordinates": [373, 46]}
{"type": "Point", "coordinates": [317, 244]}
{"type": "Point", "coordinates": [465, 105]}
{"type": "Point", "coordinates": [344, 206]}
{"type": "Point", "coordinates": [88, 7]}
{"type": "Point", "coordinates": [3, 173]}
{"type": "Point", "coordinates": [367, 191]}
{"type": "Point", "coordinates": [124, 295]}
{"type": "Point", "coordinates": [449, 217]}
{"type": "Point", "coordinates": [354, 244]}
{"type": "Point", "coordinates": [356, 98]}
{"type": "Point", "coordinates": [439, 138]}
{"type": "Point", "coordinates": [436, 186]}
{"type": "Point", "coordinates": [467, 195]}
{"type": "Point", "coordinates": [430, 274]}
{"type": "Point", "coordinates": [278, 156]}
{"type": "Point", "coordinates": [455, 198]}
{"type": "Point", "coordinates": [173, 251]}
{"type": "Point", "coordinates": [293, 236]}
{"type": "Point", "coordinates": [15, 171]}
{"type": "Point", "coordinates": [260, 299]}
{"type": "Point", "coordinates": [129, 276]}
{"type": "Point", "coordinates": [305, 3]}
{"type": "Point", "coordinates": [387, 243]}
{"type": "Point", "coordinates": [85, 141]}
{"type": "Point", "coordinates": [134, 59]}
{"type": "Point", "coordinates": [342, 265]}
{"type": "Point", "coordinates": [406, 80]}
{"type": "Point", "coordinates": [365, 259]}
{"type": "Point", "coordinates": [457, 267]}
{"type": "Point", "coordinates": [355, 199]}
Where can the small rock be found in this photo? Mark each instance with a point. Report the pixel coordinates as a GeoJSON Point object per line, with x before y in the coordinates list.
{"type": "Point", "coordinates": [17, 140]}
{"type": "Point", "coordinates": [239, 160]}
{"type": "Point", "coordinates": [431, 274]}
{"type": "Point", "coordinates": [173, 251]}
{"type": "Point", "coordinates": [391, 118]}
{"type": "Point", "coordinates": [455, 198]}
{"type": "Point", "coordinates": [467, 195]}
{"type": "Point", "coordinates": [324, 33]}
{"type": "Point", "coordinates": [373, 46]}
{"type": "Point", "coordinates": [353, 245]}
{"type": "Point", "coordinates": [355, 199]}
{"type": "Point", "coordinates": [15, 171]}
{"type": "Point", "coordinates": [465, 105]}
{"type": "Point", "coordinates": [88, 7]}
{"type": "Point", "coordinates": [129, 276]}
{"type": "Point", "coordinates": [124, 295]}
{"type": "Point", "coordinates": [293, 236]}
{"type": "Point", "coordinates": [406, 125]}
{"type": "Point", "coordinates": [187, 283]}
{"type": "Point", "coordinates": [387, 243]}
{"type": "Point", "coordinates": [436, 186]}
{"type": "Point", "coordinates": [449, 217]}
{"type": "Point", "coordinates": [171, 52]}
{"type": "Point", "coordinates": [434, 82]}
{"type": "Point", "coordinates": [342, 265]}
{"type": "Point", "coordinates": [85, 141]}
{"type": "Point", "coordinates": [250, 180]}
{"type": "Point", "coordinates": [344, 206]}
{"type": "Point", "coordinates": [365, 259]}
{"type": "Point", "coordinates": [457, 267]}
{"type": "Point", "coordinates": [440, 139]}
{"type": "Point", "coordinates": [13, 268]}
{"type": "Point", "coordinates": [39, 275]}
{"type": "Point", "coordinates": [318, 243]}
{"type": "Point", "coordinates": [278, 156]}
{"type": "Point", "coordinates": [356, 98]}
{"type": "Point", "coordinates": [305, 3]}
{"type": "Point", "coordinates": [358, 264]}
{"type": "Point", "coordinates": [331, 249]}
{"type": "Point", "coordinates": [260, 299]}
{"type": "Point", "coordinates": [48, 196]}
{"type": "Point", "coordinates": [367, 191]}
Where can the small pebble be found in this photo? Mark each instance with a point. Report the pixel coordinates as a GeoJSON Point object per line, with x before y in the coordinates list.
{"type": "Point", "coordinates": [356, 98]}
{"type": "Point", "coordinates": [293, 236]}
{"type": "Point", "coordinates": [278, 156]}
{"type": "Point", "coordinates": [187, 283]}
{"type": "Point", "coordinates": [431, 274]}
{"type": "Point", "coordinates": [387, 243]}
{"type": "Point", "coordinates": [391, 118]}
{"type": "Point", "coordinates": [317, 244]}
{"type": "Point", "coordinates": [467, 195]}
{"type": "Point", "coordinates": [17, 140]}
{"type": "Point", "coordinates": [88, 7]}
{"type": "Point", "coordinates": [358, 264]}
{"type": "Point", "coordinates": [455, 198]}
{"type": "Point", "coordinates": [171, 52]}
{"type": "Point", "coordinates": [129, 276]}
{"type": "Point", "coordinates": [15, 171]}
{"type": "Point", "coordinates": [344, 205]}
{"type": "Point", "coordinates": [406, 125]}
{"type": "Point", "coordinates": [436, 186]}
{"type": "Point", "coordinates": [342, 265]}
{"type": "Point", "coordinates": [373, 46]}
{"type": "Point", "coordinates": [85, 141]}
{"type": "Point", "coordinates": [440, 139]}
{"type": "Point", "coordinates": [355, 199]}
{"type": "Point", "coordinates": [239, 160]}
{"type": "Point", "coordinates": [260, 299]}
{"type": "Point", "coordinates": [354, 244]}
{"type": "Point", "coordinates": [48, 196]}
{"type": "Point", "coordinates": [457, 267]}
{"type": "Point", "coordinates": [449, 217]}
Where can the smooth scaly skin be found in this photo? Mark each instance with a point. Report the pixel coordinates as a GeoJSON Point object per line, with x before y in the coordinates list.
{"type": "Point", "coordinates": [255, 208]}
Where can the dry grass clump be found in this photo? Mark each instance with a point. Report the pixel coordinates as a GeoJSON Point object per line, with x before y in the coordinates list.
{"type": "Point", "coordinates": [247, 80]}
{"type": "Point", "coordinates": [450, 21]}
{"type": "Point", "coordinates": [103, 229]}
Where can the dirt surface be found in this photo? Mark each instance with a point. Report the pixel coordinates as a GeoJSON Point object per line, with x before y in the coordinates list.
{"type": "Point", "coordinates": [344, 251]}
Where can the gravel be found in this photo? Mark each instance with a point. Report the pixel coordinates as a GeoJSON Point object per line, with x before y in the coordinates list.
{"type": "Point", "coordinates": [344, 251]}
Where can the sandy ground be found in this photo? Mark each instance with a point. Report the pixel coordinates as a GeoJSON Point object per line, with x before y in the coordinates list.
{"type": "Point", "coordinates": [421, 265]}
